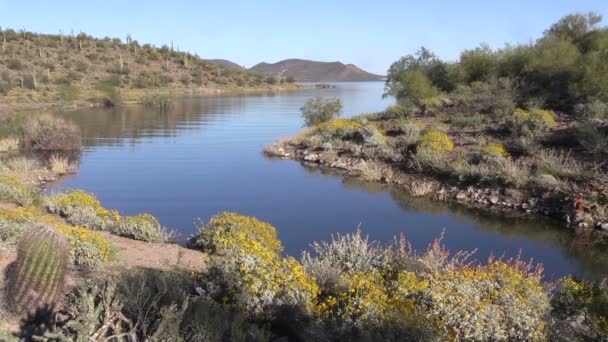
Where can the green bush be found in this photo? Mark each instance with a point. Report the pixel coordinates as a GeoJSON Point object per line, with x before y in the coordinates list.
{"type": "Point", "coordinates": [144, 227]}
{"type": "Point", "coordinates": [319, 109]}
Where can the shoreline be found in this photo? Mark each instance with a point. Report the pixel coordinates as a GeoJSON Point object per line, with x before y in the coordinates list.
{"type": "Point", "coordinates": [564, 210]}
{"type": "Point", "coordinates": [135, 96]}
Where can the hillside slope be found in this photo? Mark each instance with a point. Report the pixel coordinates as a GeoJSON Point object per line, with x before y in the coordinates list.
{"type": "Point", "coordinates": [50, 68]}
{"type": "Point", "coordinates": [225, 63]}
{"type": "Point", "coordinates": [313, 71]}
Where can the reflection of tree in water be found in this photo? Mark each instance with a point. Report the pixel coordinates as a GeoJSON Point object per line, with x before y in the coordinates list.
{"type": "Point", "coordinates": [106, 127]}
{"type": "Point", "coordinates": [590, 253]}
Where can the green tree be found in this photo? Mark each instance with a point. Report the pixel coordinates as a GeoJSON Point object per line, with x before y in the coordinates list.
{"type": "Point", "coordinates": [319, 109]}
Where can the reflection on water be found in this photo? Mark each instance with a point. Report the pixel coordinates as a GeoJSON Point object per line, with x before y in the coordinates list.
{"type": "Point", "coordinates": [204, 156]}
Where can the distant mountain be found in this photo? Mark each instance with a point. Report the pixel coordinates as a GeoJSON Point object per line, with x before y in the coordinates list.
{"type": "Point", "coordinates": [225, 63]}
{"type": "Point", "coordinates": [312, 71]}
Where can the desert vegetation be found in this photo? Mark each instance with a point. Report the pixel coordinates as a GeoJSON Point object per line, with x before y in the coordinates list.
{"type": "Point", "coordinates": [70, 68]}
{"type": "Point", "coordinates": [349, 288]}
{"type": "Point", "coordinates": [523, 127]}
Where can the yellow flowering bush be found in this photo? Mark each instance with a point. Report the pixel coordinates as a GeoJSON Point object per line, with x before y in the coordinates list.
{"type": "Point", "coordinates": [494, 150]}
{"type": "Point", "coordinates": [82, 209]}
{"type": "Point", "coordinates": [247, 269]}
{"type": "Point", "coordinates": [15, 190]}
{"type": "Point", "coordinates": [87, 248]}
{"type": "Point", "coordinates": [338, 126]}
{"type": "Point", "coordinates": [436, 141]}
{"type": "Point", "coordinates": [530, 122]}
{"type": "Point", "coordinates": [575, 297]}
{"type": "Point", "coordinates": [144, 227]}
{"type": "Point", "coordinates": [498, 301]}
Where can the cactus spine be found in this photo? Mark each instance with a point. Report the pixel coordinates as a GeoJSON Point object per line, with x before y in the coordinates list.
{"type": "Point", "coordinates": [39, 274]}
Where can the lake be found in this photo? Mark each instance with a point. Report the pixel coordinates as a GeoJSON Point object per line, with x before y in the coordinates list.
{"type": "Point", "coordinates": [205, 156]}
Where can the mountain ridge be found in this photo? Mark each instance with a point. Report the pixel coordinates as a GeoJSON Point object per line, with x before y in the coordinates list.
{"type": "Point", "coordinates": [303, 70]}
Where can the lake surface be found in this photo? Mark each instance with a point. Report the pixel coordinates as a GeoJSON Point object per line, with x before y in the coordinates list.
{"type": "Point", "coordinates": [205, 156]}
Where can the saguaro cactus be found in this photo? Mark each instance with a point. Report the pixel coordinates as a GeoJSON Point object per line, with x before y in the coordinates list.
{"type": "Point", "coordinates": [39, 274]}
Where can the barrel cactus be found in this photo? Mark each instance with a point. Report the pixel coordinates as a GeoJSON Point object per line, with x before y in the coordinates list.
{"type": "Point", "coordinates": [38, 277]}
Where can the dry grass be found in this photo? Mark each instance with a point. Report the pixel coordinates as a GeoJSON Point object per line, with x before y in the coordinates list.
{"type": "Point", "coordinates": [9, 144]}
{"type": "Point", "coordinates": [419, 189]}
{"type": "Point", "coordinates": [60, 165]}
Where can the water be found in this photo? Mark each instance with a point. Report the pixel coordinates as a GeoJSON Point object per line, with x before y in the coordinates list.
{"type": "Point", "coordinates": [205, 156]}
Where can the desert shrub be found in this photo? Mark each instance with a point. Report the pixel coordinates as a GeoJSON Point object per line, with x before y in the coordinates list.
{"type": "Point", "coordinates": [344, 254]}
{"type": "Point", "coordinates": [560, 164]}
{"type": "Point", "coordinates": [436, 141]}
{"type": "Point", "coordinates": [494, 150]}
{"type": "Point", "coordinates": [49, 133]}
{"type": "Point", "coordinates": [144, 227]}
{"type": "Point", "coordinates": [497, 301]}
{"type": "Point", "coordinates": [427, 159]}
{"type": "Point", "coordinates": [110, 90]}
{"type": "Point", "coordinates": [431, 105]}
{"type": "Point", "coordinates": [593, 109]}
{"type": "Point", "coordinates": [15, 190]}
{"type": "Point", "coordinates": [397, 111]}
{"type": "Point", "coordinates": [319, 109]}
{"type": "Point", "coordinates": [342, 129]}
{"type": "Point", "coordinates": [526, 123]}
{"type": "Point", "coordinates": [592, 137]}
{"type": "Point", "coordinates": [575, 298]}
{"type": "Point", "coordinates": [156, 101]}
{"type": "Point", "coordinates": [246, 267]}
{"type": "Point", "coordinates": [88, 249]}
{"type": "Point", "coordinates": [11, 227]}
{"type": "Point", "coordinates": [60, 165]}
{"type": "Point", "coordinates": [365, 302]}
{"type": "Point", "coordinates": [464, 120]}
{"type": "Point", "coordinates": [410, 133]}
{"type": "Point", "coordinates": [82, 209]}
{"type": "Point", "coordinates": [9, 144]}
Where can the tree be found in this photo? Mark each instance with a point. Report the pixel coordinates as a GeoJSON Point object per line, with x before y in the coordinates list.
{"type": "Point", "coordinates": [319, 109]}
{"type": "Point", "coordinates": [479, 65]}
{"type": "Point", "coordinates": [575, 27]}
{"type": "Point", "coordinates": [421, 60]}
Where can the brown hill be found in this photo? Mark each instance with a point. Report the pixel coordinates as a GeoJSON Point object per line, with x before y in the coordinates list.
{"type": "Point", "coordinates": [57, 67]}
{"type": "Point", "coordinates": [313, 71]}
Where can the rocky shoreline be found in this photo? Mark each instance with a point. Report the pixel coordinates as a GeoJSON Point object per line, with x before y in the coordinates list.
{"type": "Point", "coordinates": [573, 213]}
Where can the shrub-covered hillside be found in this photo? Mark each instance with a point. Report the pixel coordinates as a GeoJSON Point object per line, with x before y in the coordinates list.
{"type": "Point", "coordinates": [51, 67]}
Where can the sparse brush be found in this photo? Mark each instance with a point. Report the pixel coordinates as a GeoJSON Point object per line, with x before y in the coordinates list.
{"type": "Point", "coordinates": [15, 190]}
{"type": "Point", "coordinates": [9, 144]}
{"type": "Point", "coordinates": [49, 133]}
{"type": "Point", "coordinates": [39, 274]}
{"type": "Point", "coordinates": [144, 227]}
{"type": "Point", "coordinates": [60, 165]}
{"type": "Point", "coordinates": [156, 101]}
{"type": "Point", "coordinates": [422, 188]}
{"type": "Point", "coordinates": [345, 253]}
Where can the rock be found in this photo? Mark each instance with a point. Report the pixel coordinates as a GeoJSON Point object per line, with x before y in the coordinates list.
{"type": "Point", "coordinates": [280, 150]}
{"type": "Point", "coordinates": [525, 206]}
{"type": "Point", "coordinates": [532, 202]}
{"type": "Point", "coordinates": [494, 199]}
{"type": "Point", "coordinates": [603, 226]}
{"type": "Point", "coordinates": [461, 196]}
{"type": "Point", "coordinates": [583, 225]}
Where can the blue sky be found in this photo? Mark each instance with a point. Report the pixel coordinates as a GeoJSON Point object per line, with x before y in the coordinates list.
{"type": "Point", "coordinates": [370, 34]}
